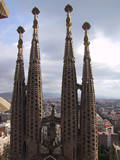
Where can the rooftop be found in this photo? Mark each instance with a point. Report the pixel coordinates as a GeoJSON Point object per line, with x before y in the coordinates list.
{"type": "Point", "coordinates": [4, 11]}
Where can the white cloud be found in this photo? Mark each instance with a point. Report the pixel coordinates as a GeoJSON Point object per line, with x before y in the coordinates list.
{"type": "Point", "coordinates": [103, 50]}
{"type": "Point", "coordinates": [105, 56]}
{"type": "Point", "coordinates": [107, 88]}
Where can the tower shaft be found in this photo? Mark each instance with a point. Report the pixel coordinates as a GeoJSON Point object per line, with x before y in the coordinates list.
{"type": "Point", "coordinates": [69, 96]}
{"type": "Point", "coordinates": [88, 131]}
{"type": "Point", "coordinates": [18, 107]}
{"type": "Point", "coordinates": [34, 106]}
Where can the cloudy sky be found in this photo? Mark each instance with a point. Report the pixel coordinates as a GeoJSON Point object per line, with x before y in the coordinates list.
{"type": "Point", "coordinates": [104, 35]}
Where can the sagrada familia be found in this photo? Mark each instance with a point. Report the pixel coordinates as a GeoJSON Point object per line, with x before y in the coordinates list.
{"type": "Point", "coordinates": [79, 140]}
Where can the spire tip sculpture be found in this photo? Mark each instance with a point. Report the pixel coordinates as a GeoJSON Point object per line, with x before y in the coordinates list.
{"type": "Point", "coordinates": [20, 29]}
{"type": "Point", "coordinates": [86, 26]}
{"type": "Point", "coordinates": [35, 11]}
{"type": "Point", "coordinates": [68, 8]}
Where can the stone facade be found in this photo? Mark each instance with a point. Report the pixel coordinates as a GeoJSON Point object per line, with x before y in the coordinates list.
{"type": "Point", "coordinates": [78, 135]}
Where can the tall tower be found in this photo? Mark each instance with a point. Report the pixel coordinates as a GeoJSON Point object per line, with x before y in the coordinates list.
{"type": "Point", "coordinates": [34, 106]}
{"type": "Point", "coordinates": [69, 95]}
{"type": "Point", "coordinates": [88, 140]}
{"type": "Point", "coordinates": [18, 105]}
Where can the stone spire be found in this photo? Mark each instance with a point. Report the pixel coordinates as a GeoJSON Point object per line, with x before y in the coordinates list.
{"type": "Point", "coordinates": [69, 95]}
{"type": "Point", "coordinates": [88, 131]}
{"type": "Point", "coordinates": [18, 105]}
{"type": "Point", "coordinates": [53, 110]}
{"type": "Point", "coordinates": [34, 108]}
{"type": "Point", "coordinates": [68, 9]}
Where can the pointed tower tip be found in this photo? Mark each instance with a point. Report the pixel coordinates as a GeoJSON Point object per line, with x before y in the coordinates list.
{"type": "Point", "coordinates": [35, 11]}
{"type": "Point", "coordinates": [68, 8]}
{"type": "Point", "coordinates": [20, 29]}
{"type": "Point", "coordinates": [86, 26]}
{"type": "Point", "coordinates": [53, 109]}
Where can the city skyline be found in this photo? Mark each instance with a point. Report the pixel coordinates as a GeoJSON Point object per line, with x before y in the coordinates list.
{"type": "Point", "coordinates": [104, 36]}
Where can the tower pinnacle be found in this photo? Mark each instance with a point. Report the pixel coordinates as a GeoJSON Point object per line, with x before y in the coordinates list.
{"type": "Point", "coordinates": [86, 26]}
{"type": "Point", "coordinates": [35, 11]}
{"type": "Point", "coordinates": [53, 110]}
{"type": "Point", "coordinates": [68, 9]}
{"type": "Point", "coordinates": [20, 30]}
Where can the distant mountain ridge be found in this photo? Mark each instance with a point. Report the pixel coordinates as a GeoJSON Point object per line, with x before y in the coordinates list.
{"type": "Point", "coordinates": [8, 95]}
